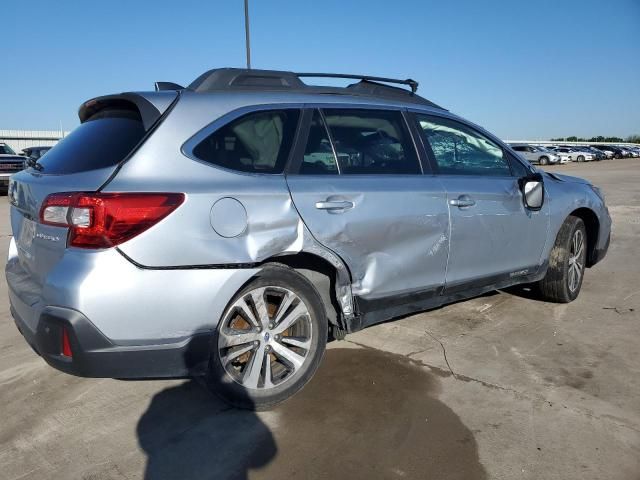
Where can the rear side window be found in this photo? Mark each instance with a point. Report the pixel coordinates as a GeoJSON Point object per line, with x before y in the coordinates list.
{"type": "Point", "coordinates": [259, 142]}
{"type": "Point", "coordinates": [460, 150]}
{"type": "Point", "coordinates": [371, 142]}
{"type": "Point", "coordinates": [104, 140]}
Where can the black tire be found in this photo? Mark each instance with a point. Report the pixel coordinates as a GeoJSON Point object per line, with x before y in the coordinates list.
{"type": "Point", "coordinates": [618, 156]}
{"type": "Point", "coordinates": [223, 384]}
{"type": "Point", "coordinates": [580, 158]}
{"type": "Point", "coordinates": [556, 285]}
{"type": "Point", "coordinates": [544, 160]}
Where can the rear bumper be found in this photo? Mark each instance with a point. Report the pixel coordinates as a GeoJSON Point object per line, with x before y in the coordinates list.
{"type": "Point", "coordinates": [94, 355]}
{"type": "Point", "coordinates": [123, 320]}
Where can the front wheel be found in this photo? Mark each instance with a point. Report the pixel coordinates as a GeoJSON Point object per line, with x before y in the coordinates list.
{"type": "Point", "coordinates": [544, 160]}
{"type": "Point", "coordinates": [581, 158]}
{"type": "Point", "coordinates": [567, 261]}
{"type": "Point", "coordinates": [269, 341]}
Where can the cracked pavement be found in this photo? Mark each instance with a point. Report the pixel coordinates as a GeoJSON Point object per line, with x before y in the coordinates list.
{"type": "Point", "coordinates": [502, 386]}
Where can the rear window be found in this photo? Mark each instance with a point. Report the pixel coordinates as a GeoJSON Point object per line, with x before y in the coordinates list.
{"type": "Point", "coordinates": [104, 140]}
{"type": "Point", "coordinates": [259, 142]}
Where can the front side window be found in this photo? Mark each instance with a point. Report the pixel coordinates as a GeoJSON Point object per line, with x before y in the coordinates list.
{"type": "Point", "coordinates": [259, 142]}
{"type": "Point", "coordinates": [371, 142]}
{"type": "Point", "coordinates": [460, 150]}
{"type": "Point", "coordinates": [519, 170]}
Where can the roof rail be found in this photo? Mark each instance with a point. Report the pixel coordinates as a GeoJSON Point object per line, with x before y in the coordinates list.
{"type": "Point", "coordinates": [221, 79]}
{"type": "Point", "coordinates": [365, 78]}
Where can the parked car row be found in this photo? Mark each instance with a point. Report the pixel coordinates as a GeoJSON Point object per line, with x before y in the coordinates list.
{"type": "Point", "coordinates": [561, 154]}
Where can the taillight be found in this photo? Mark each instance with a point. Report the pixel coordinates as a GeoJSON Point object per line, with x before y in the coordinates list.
{"type": "Point", "coordinates": [103, 220]}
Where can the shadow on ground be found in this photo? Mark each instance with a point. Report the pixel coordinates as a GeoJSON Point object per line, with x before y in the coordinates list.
{"type": "Point", "coordinates": [366, 414]}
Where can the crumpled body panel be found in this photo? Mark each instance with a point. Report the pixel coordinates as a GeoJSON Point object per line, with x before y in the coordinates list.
{"type": "Point", "coordinates": [394, 238]}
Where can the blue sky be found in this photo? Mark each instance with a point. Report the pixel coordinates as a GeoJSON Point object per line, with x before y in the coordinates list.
{"type": "Point", "coordinates": [521, 69]}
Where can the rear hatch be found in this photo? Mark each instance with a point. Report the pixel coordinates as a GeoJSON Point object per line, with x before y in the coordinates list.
{"type": "Point", "coordinates": [111, 129]}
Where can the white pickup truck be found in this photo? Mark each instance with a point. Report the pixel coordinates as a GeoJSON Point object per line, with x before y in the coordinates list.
{"type": "Point", "coordinates": [10, 163]}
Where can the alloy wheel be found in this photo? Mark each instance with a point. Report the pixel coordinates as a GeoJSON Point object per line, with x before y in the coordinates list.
{"type": "Point", "coordinates": [265, 337]}
{"type": "Point", "coordinates": [576, 260]}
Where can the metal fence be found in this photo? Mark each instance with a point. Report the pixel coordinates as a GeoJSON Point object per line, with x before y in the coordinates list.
{"type": "Point", "coordinates": [19, 139]}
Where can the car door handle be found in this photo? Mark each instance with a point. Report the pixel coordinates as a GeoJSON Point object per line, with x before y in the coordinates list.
{"type": "Point", "coordinates": [334, 205]}
{"type": "Point", "coordinates": [462, 201]}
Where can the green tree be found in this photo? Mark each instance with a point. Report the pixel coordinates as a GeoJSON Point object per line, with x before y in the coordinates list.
{"type": "Point", "coordinates": [633, 139]}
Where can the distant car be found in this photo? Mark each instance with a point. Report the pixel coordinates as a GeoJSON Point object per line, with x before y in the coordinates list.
{"type": "Point", "coordinates": [631, 151]}
{"type": "Point", "coordinates": [609, 154]}
{"type": "Point", "coordinates": [636, 149]}
{"type": "Point", "coordinates": [599, 154]}
{"type": "Point", "coordinates": [534, 154]}
{"type": "Point", "coordinates": [617, 151]}
{"type": "Point", "coordinates": [575, 154]}
{"type": "Point", "coordinates": [564, 158]}
{"type": "Point", "coordinates": [35, 152]}
{"type": "Point", "coordinates": [624, 151]}
{"type": "Point", "coordinates": [10, 163]}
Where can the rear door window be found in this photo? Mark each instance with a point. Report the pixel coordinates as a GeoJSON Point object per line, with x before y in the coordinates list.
{"type": "Point", "coordinates": [104, 140]}
{"type": "Point", "coordinates": [319, 158]}
{"type": "Point", "coordinates": [371, 142]}
{"type": "Point", "coordinates": [259, 142]}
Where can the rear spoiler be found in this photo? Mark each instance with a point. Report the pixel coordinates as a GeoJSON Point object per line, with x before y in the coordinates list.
{"type": "Point", "coordinates": [150, 105]}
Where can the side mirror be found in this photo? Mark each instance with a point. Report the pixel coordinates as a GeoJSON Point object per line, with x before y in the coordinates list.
{"type": "Point", "coordinates": [532, 188]}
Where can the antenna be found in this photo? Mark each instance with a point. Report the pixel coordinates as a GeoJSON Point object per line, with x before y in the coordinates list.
{"type": "Point", "coordinates": [246, 33]}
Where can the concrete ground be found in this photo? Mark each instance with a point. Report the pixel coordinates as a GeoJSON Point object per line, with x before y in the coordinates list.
{"type": "Point", "coordinates": [501, 386]}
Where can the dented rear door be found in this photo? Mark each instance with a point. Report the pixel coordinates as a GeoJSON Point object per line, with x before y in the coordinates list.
{"type": "Point", "coordinates": [390, 228]}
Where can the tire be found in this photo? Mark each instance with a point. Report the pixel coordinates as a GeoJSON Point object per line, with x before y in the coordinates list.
{"type": "Point", "coordinates": [618, 156]}
{"type": "Point", "coordinates": [580, 158]}
{"type": "Point", "coordinates": [284, 367]}
{"type": "Point", "coordinates": [544, 160]}
{"type": "Point", "coordinates": [565, 272]}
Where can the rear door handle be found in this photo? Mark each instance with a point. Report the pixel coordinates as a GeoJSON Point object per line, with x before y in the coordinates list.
{"type": "Point", "coordinates": [462, 201]}
{"type": "Point", "coordinates": [334, 205]}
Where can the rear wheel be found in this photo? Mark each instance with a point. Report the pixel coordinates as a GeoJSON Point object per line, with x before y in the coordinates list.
{"type": "Point", "coordinates": [567, 261]}
{"type": "Point", "coordinates": [269, 341]}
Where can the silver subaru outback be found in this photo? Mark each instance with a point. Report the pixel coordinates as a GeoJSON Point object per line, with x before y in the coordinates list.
{"type": "Point", "coordinates": [231, 228]}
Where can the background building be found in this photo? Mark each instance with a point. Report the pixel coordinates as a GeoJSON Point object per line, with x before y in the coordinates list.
{"type": "Point", "coordinates": [19, 139]}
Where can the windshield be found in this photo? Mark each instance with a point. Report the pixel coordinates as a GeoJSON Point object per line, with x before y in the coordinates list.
{"type": "Point", "coordinates": [6, 150]}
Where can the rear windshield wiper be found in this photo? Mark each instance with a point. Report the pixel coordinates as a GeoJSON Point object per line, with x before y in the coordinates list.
{"type": "Point", "coordinates": [33, 163]}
